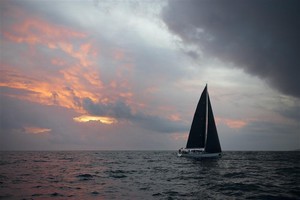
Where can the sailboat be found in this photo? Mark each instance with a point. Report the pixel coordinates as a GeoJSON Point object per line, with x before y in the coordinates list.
{"type": "Point", "coordinates": [203, 140]}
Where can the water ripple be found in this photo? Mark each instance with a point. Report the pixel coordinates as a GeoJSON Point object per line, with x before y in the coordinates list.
{"type": "Point", "coordinates": [148, 175]}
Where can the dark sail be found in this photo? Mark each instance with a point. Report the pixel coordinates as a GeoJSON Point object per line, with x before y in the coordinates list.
{"type": "Point", "coordinates": [197, 133]}
{"type": "Point", "coordinates": [212, 141]}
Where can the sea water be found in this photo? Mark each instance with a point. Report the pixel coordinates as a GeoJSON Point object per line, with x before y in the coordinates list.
{"type": "Point", "coordinates": [148, 175]}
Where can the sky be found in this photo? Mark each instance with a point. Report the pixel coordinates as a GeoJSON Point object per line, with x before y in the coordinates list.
{"type": "Point", "coordinates": [127, 75]}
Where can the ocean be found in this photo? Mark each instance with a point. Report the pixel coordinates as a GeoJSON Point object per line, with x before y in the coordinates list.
{"type": "Point", "coordinates": [148, 175]}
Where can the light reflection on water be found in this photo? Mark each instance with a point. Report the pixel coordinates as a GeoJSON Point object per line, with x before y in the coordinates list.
{"type": "Point", "coordinates": [148, 175]}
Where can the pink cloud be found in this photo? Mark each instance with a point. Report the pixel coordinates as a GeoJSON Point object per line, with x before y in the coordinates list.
{"type": "Point", "coordinates": [232, 123]}
{"type": "Point", "coordinates": [75, 74]}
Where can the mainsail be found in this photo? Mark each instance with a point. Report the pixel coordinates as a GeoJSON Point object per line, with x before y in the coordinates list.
{"type": "Point", "coordinates": [197, 133]}
{"type": "Point", "coordinates": [203, 133]}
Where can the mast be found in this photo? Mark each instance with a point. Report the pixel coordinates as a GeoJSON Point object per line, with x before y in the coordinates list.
{"type": "Point", "coordinates": [206, 115]}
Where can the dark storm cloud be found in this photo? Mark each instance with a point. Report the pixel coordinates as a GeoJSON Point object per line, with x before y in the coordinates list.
{"type": "Point", "coordinates": [261, 36]}
{"type": "Point", "coordinates": [122, 111]}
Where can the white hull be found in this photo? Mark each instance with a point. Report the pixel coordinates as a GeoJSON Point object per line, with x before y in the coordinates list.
{"type": "Point", "coordinates": [204, 155]}
{"type": "Point", "coordinates": [198, 154]}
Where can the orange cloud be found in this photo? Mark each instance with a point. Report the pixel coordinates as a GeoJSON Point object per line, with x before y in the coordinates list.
{"type": "Point", "coordinates": [65, 87]}
{"type": "Point", "coordinates": [101, 119]}
{"type": "Point", "coordinates": [37, 31]}
{"type": "Point", "coordinates": [36, 130]}
{"type": "Point", "coordinates": [64, 79]}
{"type": "Point", "coordinates": [65, 90]}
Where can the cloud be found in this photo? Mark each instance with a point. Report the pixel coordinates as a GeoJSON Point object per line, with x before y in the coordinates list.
{"type": "Point", "coordinates": [18, 114]}
{"type": "Point", "coordinates": [90, 118]}
{"type": "Point", "coordinates": [25, 125]}
{"type": "Point", "coordinates": [270, 135]}
{"type": "Point", "coordinates": [55, 65]}
{"type": "Point", "coordinates": [261, 37]}
{"type": "Point", "coordinates": [122, 111]}
{"type": "Point", "coordinates": [36, 130]}
{"type": "Point", "coordinates": [19, 118]}
{"type": "Point", "coordinates": [291, 112]}
{"type": "Point", "coordinates": [232, 123]}
{"type": "Point", "coordinates": [260, 135]}
{"type": "Point", "coordinates": [118, 63]}
{"type": "Point", "coordinates": [67, 60]}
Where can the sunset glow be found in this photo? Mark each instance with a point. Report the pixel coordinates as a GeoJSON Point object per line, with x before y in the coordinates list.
{"type": "Point", "coordinates": [101, 119]}
{"type": "Point", "coordinates": [36, 130]}
{"type": "Point", "coordinates": [130, 75]}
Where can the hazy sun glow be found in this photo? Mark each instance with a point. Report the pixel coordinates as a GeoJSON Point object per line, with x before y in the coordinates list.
{"type": "Point", "coordinates": [101, 119]}
{"type": "Point", "coordinates": [36, 130]}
